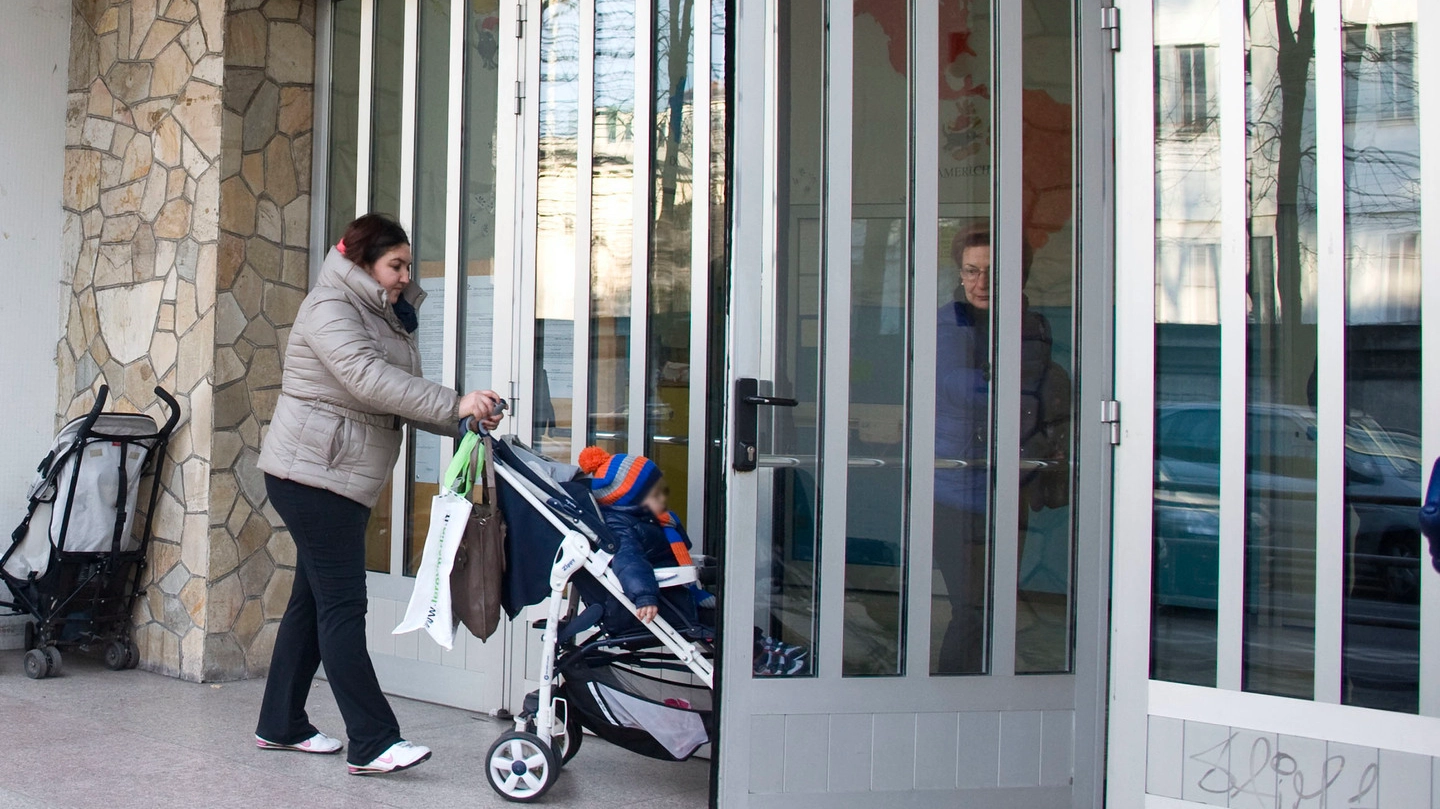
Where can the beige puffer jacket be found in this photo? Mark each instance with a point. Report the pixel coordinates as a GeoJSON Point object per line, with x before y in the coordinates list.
{"type": "Point", "coordinates": [352, 377]}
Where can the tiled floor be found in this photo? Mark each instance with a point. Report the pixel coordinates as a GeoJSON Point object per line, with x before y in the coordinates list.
{"type": "Point", "coordinates": [93, 737]}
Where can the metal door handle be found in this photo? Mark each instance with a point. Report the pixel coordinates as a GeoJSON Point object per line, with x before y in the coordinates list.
{"type": "Point", "coordinates": [772, 401]}
{"type": "Point", "coordinates": [748, 402]}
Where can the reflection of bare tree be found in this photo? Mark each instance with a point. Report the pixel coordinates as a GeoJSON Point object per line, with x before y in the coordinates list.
{"type": "Point", "coordinates": [674, 32]}
{"type": "Point", "coordinates": [672, 139]}
{"type": "Point", "coordinates": [1282, 144]}
{"type": "Point", "coordinates": [1293, 142]}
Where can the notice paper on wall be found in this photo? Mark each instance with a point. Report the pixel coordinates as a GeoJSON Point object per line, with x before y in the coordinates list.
{"type": "Point", "coordinates": [431, 334]}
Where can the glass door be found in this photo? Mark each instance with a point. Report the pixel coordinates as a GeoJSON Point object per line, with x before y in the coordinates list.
{"type": "Point", "coordinates": [621, 107]}
{"type": "Point", "coordinates": [417, 127]}
{"type": "Point", "coordinates": [1280, 429]}
{"type": "Point", "coordinates": [916, 543]}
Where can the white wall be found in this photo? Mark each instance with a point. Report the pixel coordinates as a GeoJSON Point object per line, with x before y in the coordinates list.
{"type": "Point", "coordinates": [34, 61]}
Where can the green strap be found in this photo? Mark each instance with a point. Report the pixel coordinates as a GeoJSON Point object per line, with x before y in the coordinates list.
{"type": "Point", "coordinates": [460, 477]}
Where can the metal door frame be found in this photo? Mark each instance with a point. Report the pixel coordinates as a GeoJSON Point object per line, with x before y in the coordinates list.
{"type": "Point", "coordinates": [426, 671]}
{"type": "Point", "coordinates": [754, 196]}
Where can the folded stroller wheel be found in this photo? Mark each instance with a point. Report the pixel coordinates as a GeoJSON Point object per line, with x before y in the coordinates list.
{"type": "Point", "coordinates": [36, 664]}
{"type": "Point", "coordinates": [132, 654]}
{"type": "Point", "coordinates": [52, 654]}
{"type": "Point", "coordinates": [117, 654]}
{"type": "Point", "coordinates": [520, 767]}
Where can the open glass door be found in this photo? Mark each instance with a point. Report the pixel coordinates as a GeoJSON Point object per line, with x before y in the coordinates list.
{"type": "Point", "coordinates": [417, 128]}
{"type": "Point", "coordinates": [621, 110]}
{"type": "Point", "coordinates": [917, 541]}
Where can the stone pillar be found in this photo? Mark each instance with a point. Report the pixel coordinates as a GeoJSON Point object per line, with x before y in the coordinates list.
{"type": "Point", "coordinates": [187, 204]}
{"type": "Point", "coordinates": [141, 239]}
{"type": "Point", "coordinates": [262, 277]}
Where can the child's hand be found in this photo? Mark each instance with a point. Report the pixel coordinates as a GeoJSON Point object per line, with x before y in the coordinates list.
{"type": "Point", "coordinates": [647, 614]}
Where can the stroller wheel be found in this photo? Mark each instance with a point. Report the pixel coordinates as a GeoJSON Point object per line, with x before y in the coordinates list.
{"type": "Point", "coordinates": [568, 743]}
{"type": "Point", "coordinates": [117, 654]}
{"type": "Point", "coordinates": [36, 664]}
{"type": "Point", "coordinates": [52, 654]}
{"type": "Point", "coordinates": [520, 767]}
{"type": "Point", "coordinates": [132, 654]}
{"type": "Point", "coordinates": [566, 740]}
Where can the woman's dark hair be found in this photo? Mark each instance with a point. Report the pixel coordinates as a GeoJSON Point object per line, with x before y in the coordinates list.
{"type": "Point", "coordinates": [370, 237]}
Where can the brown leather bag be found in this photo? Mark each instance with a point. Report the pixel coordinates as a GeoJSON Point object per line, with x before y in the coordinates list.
{"type": "Point", "coordinates": [479, 570]}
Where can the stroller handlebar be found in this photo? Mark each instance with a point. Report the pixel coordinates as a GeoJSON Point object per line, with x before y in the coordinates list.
{"type": "Point", "coordinates": [171, 405]}
{"type": "Point", "coordinates": [95, 410]}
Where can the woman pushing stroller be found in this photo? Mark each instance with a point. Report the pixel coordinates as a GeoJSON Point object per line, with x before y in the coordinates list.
{"type": "Point", "coordinates": [352, 378]}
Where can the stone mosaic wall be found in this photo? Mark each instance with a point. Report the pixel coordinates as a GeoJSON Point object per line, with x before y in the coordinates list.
{"type": "Point", "coordinates": [187, 205]}
{"type": "Point", "coordinates": [261, 279]}
{"type": "Point", "coordinates": [141, 241]}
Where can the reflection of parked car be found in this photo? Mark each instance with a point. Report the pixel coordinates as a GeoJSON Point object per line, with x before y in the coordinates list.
{"type": "Point", "coordinates": [1382, 494]}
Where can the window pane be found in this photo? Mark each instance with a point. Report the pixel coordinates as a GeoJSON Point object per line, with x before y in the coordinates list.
{"type": "Point", "coordinates": [478, 197]}
{"type": "Point", "coordinates": [876, 501]}
{"type": "Point", "coordinates": [786, 592]}
{"type": "Point", "coordinates": [612, 223]}
{"type": "Point", "coordinates": [387, 84]}
{"type": "Point", "coordinates": [1047, 329]}
{"type": "Point", "coordinates": [717, 275]}
{"type": "Point", "coordinates": [427, 237]}
{"type": "Point", "coordinates": [672, 201]}
{"type": "Point", "coordinates": [344, 120]}
{"type": "Point", "coordinates": [1382, 367]}
{"type": "Point", "coordinates": [559, 112]}
{"type": "Point", "coordinates": [960, 593]}
{"type": "Point", "coordinates": [386, 73]}
{"type": "Point", "coordinates": [340, 202]}
{"type": "Point", "coordinates": [1280, 440]}
{"type": "Point", "coordinates": [1187, 342]}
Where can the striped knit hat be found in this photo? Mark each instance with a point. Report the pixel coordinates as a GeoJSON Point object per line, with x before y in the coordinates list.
{"type": "Point", "coordinates": [618, 480]}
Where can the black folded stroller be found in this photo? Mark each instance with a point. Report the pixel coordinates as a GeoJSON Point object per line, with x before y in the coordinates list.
{"type": "Point", "coordinates": [75, 562]}
{"type": "Point", "coordinates": [644, 687]}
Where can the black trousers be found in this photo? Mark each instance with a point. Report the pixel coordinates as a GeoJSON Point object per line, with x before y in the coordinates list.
{"type": "Point", "coordinates": [961, 554]}
{"type": "Point", "coordinates": [325, 621]}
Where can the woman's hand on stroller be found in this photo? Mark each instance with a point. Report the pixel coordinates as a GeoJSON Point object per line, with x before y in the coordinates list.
{"type": "Point", "coordinates": [485, 407]}
{"type": "Point", "coordinates": [647, 614]}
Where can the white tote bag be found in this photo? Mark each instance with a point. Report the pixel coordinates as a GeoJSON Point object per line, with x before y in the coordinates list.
{"type": "Point", "coordinates": [449, 512]}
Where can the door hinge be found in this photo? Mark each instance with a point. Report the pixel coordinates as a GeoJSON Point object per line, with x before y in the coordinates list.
{"type": "Point", "coordinates": [519, 97]}
{"type": "Point", "coordinates": [519, 20]}
{"type": "Point", "coordinates": [1110, 414]}
{"type": "Point", "coordinates": [1110, 21]}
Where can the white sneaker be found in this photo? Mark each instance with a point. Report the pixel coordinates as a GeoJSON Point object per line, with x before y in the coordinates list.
{"type": "Point", "coordinates": [402, 755]}
{"type": "Point", "coordinates": [319, 743]}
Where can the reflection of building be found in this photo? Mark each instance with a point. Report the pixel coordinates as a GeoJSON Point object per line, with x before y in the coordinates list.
{"type": "Point", "coordinates": [1223, 221]}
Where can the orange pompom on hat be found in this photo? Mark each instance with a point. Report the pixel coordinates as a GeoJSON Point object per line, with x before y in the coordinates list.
{"type": "Point", "coordinates": [618, 480]}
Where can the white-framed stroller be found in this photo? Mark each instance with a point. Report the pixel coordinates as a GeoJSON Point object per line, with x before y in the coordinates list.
{"type": "Point", "coordinates": [75, 562]}
{"type": "Point", "coordinates": [557, 547]}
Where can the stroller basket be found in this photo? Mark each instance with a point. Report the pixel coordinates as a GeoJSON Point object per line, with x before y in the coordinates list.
{"type": "Point", "coordinates": [658, 718]}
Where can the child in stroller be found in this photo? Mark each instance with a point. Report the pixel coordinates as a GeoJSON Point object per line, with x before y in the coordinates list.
{"type": "Point", "coordinates": [632, 496]}
{"type": "Point", "coordinates": [631, 493]}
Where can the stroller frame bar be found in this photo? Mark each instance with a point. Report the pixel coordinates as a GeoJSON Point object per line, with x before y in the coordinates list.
{"type": "Point", "coordinates": [579, 549]}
